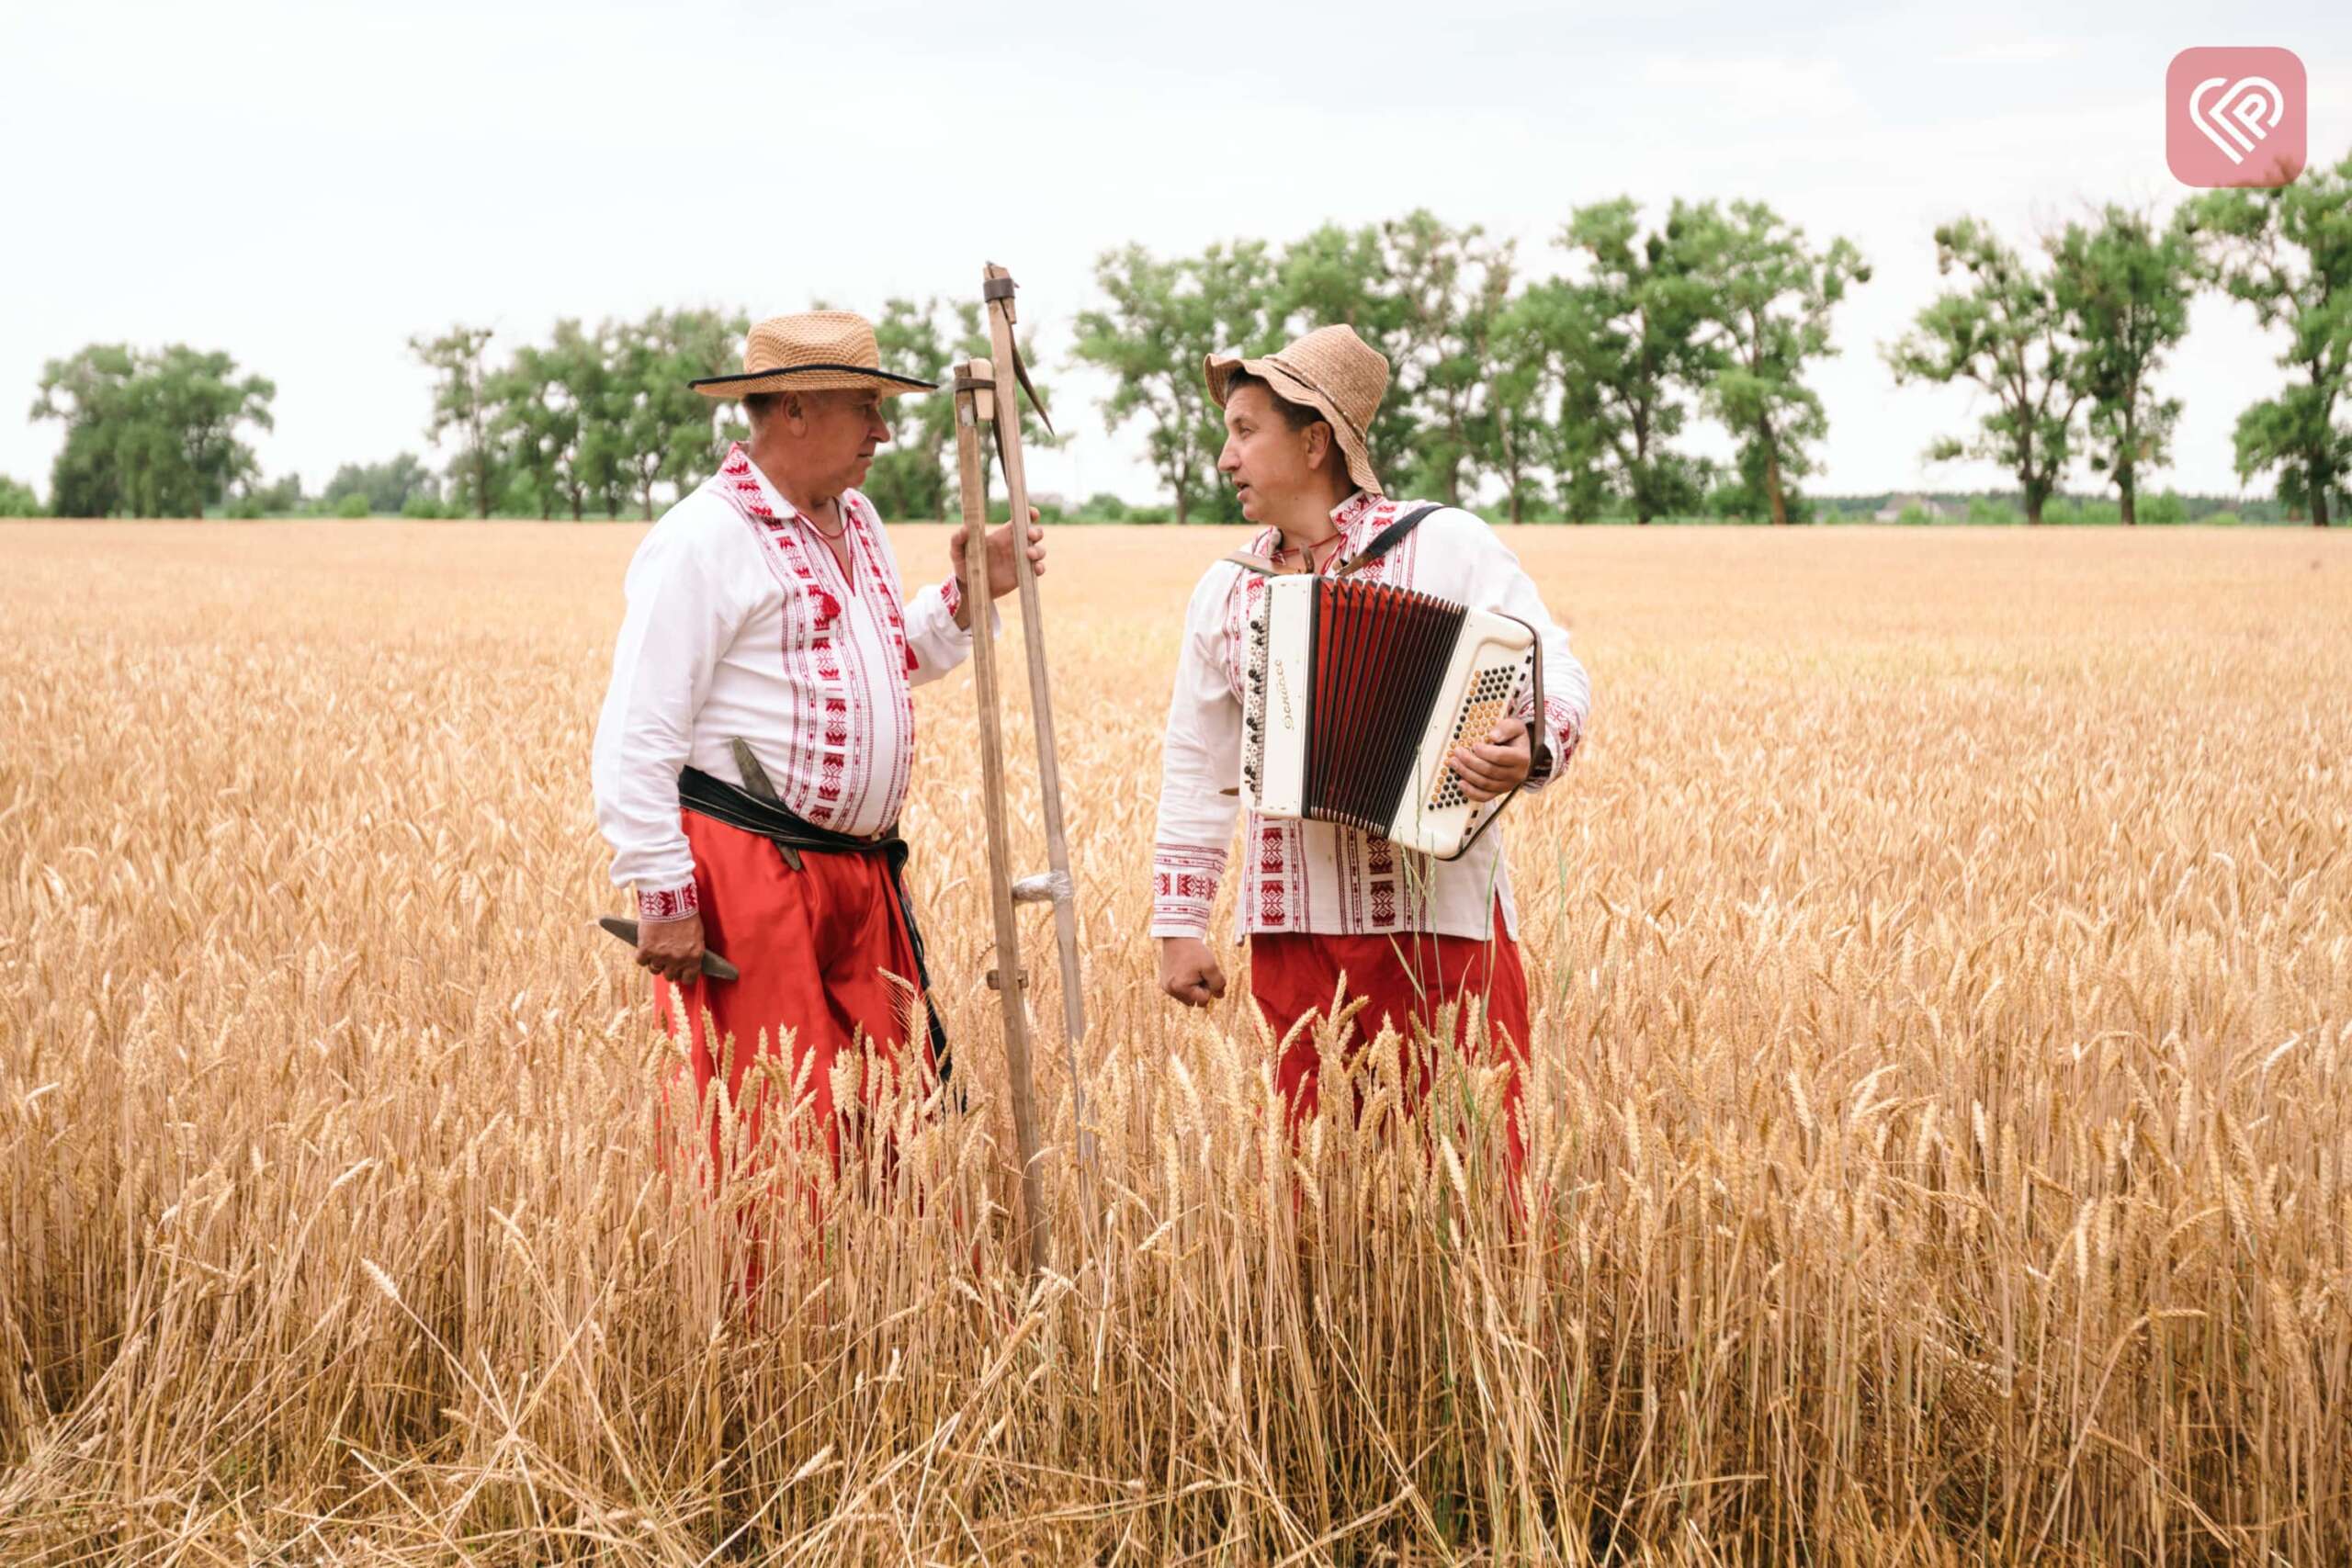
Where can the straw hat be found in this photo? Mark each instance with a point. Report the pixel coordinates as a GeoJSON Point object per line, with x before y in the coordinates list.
{"type": "Point", "coordinates": [1331, 370]}
{"type": "Point", "coordinates": [813, 351]}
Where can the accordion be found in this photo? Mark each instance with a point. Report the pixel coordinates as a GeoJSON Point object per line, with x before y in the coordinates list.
{"type": "Point", "coordinates": [1357, 695]}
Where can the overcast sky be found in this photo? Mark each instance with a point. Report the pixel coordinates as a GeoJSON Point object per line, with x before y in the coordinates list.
{"type": "Point", "coordinates": [307, 185]}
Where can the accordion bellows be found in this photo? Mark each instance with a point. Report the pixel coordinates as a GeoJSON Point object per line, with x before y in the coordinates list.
{"type": "Point", "coordinates": [1357, 695]}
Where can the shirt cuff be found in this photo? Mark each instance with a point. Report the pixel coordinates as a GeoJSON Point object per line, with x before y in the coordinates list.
{"type": "Point", "coordinates": [951, 593]}
{"type": "Point", "coordinates": [1183, 886]}
{"type": "Point", "coordinates": [668, 903]}
{"type": "Point", "coordinates": [1562, 735]}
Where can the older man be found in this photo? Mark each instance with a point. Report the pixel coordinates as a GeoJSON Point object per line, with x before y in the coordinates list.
{"type": "Point", "coordinates": [757, 740]}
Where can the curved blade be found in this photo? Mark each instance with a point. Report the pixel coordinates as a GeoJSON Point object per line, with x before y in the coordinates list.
{"type": "Point", "coordinates": [715, 966]}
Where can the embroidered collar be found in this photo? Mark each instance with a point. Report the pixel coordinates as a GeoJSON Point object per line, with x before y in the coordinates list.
{"type": "Point", "coordinates": [758, 498]}
{"type": "Point", "coordinates": [779, 510]}
{"type": "Point", "coordinates": [1346, 518]}
{"type": "Point", "coordinates": [765, 501]}
{"type": "Point", "coordinates": [1354, 510]}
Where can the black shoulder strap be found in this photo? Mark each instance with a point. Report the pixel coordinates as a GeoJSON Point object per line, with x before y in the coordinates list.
{"type": "Point", "coordinates": [1388, 539]}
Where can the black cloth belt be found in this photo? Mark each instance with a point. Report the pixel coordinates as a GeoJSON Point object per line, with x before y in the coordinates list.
{"type": "Point", "coordinates": [723, 802]}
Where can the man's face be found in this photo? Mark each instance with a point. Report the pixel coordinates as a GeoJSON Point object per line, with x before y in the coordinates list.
{"type": "Point", "coordinates": [1264, 457]}
{"type": "Point", "coordinates": [839, 432]}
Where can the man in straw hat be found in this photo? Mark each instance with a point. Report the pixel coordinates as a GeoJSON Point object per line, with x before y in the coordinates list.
{"type": "Point", "coordinates": [1320, 901]}
{"type": "Point", "coordinates": [755, 741]}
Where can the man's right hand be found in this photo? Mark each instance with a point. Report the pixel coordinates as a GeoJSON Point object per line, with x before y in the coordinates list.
{"type": "Point", "coordinates": [671, 949]}
{"type": "Point", "coordinates": [1188, 971]}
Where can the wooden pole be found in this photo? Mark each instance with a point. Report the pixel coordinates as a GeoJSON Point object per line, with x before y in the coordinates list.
{"type": "Point", "coordinates": [996, 290]}
{"type": "Point", "coordinates": [974, 403]}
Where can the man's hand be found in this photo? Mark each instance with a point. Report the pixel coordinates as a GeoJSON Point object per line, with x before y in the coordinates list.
{"type": "Point", "coordinates": [1498, 766]}
{"type": "Point", "coordinates": [671, 949]}
{"type": "Point", "coordinates": [1188, 971]}
{"type": "Point", "coordinates": [1003, 574]}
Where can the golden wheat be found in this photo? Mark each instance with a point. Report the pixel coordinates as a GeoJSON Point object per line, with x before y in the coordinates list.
{"type": "Point", "coordinates": [1941, 1120]}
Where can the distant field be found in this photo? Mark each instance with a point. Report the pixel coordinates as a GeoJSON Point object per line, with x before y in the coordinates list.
{"type": "Point", "coordinates": [1942, 1115]}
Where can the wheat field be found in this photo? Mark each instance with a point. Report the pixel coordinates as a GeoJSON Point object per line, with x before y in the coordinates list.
{"type": "Point", "coordinates": [1942, 1114]}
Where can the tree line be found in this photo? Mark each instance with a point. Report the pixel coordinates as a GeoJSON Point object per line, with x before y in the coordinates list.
{"type": "Point", "coordinates": [1562, 397]}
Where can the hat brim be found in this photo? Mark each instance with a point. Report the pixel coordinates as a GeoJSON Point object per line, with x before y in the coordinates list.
{"type": "Point", "coordinates": [811, 378]}
{"type": "Point", "coordinates": [1222, 367]}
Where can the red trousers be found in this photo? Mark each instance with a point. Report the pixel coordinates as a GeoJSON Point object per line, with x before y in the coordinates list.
{"type": "Point", "coordinates": [819, 948]}
{"type": "Point", "coordinates": [1405, 978]}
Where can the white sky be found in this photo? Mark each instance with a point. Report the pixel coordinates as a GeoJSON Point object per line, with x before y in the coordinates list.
{"type": "Point", "coordinates": [307, 185]}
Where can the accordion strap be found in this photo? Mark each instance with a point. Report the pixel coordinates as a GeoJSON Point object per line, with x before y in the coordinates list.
{"type": "Point", "coordinates": [1539, 748]}
{"type": "Point", "coordinates": [1388, 539]}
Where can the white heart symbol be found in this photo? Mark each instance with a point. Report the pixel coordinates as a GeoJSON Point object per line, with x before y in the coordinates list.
{"type": "Point", "coordinates": [2247, 111]}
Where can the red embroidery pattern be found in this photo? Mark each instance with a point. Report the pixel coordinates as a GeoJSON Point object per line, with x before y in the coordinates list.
{"type": "Point", "coordinates": [843, 704]}
{"type": "Point", "coordinates": [1266, 885]}
{"type": "Point", "coordinates": [1270, 849]}
{"type": "Point", "coordinates": [881, 579]}
{"type": "Point", "coordinates": [1380, 865]}
{"type": "Point", "coordinates": [1566, 732]}
{"type": "Point", "coordinates": [1183, 884]}
{"type": "Point", "coordinates": [668, 903]}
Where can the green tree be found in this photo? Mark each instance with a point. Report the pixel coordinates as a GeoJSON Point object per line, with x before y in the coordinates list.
{"type": "Point", "coordinates": [17, 500]}
{"type": "Point", "coordinates": [1511, 434]}
{"type": "Point", "coordinates": [549, 401]}
{"type": "Point", "coordinates": [282, 497]}
{"type": "Point", "coordinates": [1232, 287]}
{"type": "Point", "coordinates": [150, 435]}
{"type": "Point", "coordinates": [606, 403]}
{"type": "Point", "coordinates": [2123, 288]}
{"type": "Point", "coordinates": [1162, 318]}
{"type": "Point", "coordinates": [1336, 277]}
{"type": "Point", "coordinates": [1450, 287]}
{"type": "Point", "coordinates": [461, 401]}
{"type": "Point", "coordinates": [1642, 354]}
{"type": "Point", "coordinates": [2288, 253]}
{"type": "Point", "coordinates": [2002, 330]}
{"type": "Point", "coordinates": [1765, 298]}
{"type": "Point", "coordinates": [665, 430]}
{"type": "Point", "coordinates": [385, 486]}
{"type": "Point", "coordinates": [1575, 354]}
{"type": "Point", "coordinates": [910, 475]}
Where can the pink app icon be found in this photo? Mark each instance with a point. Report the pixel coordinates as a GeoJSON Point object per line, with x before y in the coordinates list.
{"type": "Point", "coordinates": [2234, 117]}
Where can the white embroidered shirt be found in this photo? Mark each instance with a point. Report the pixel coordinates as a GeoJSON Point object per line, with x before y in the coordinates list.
{"type": "Point", "coordinates": [741, 623]}
{"type": "Point", "coordinates": [1319, 876]}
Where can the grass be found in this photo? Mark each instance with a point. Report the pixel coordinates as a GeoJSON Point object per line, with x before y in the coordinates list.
{"type": "Point", "coordinates": [1941, 1117]}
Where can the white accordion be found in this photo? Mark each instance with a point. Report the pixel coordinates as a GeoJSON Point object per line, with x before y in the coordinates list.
{"type": "Point", "coordinates": [1358, 694]}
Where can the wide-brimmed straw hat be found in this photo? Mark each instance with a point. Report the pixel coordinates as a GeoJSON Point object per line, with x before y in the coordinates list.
{"type": "Point", "coordinates": [1331, 370]}
{"type": "Point", "coordinates": [815, 351]}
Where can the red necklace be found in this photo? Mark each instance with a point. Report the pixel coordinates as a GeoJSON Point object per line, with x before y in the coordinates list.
{"type": "Point", "coordinates": [818, 529]}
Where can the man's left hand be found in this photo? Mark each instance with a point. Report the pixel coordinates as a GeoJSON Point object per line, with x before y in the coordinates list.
{"type": "Point", "coordinates": [1003, 572]}
{"type": "Point", "coordinates": [1500, 765]}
